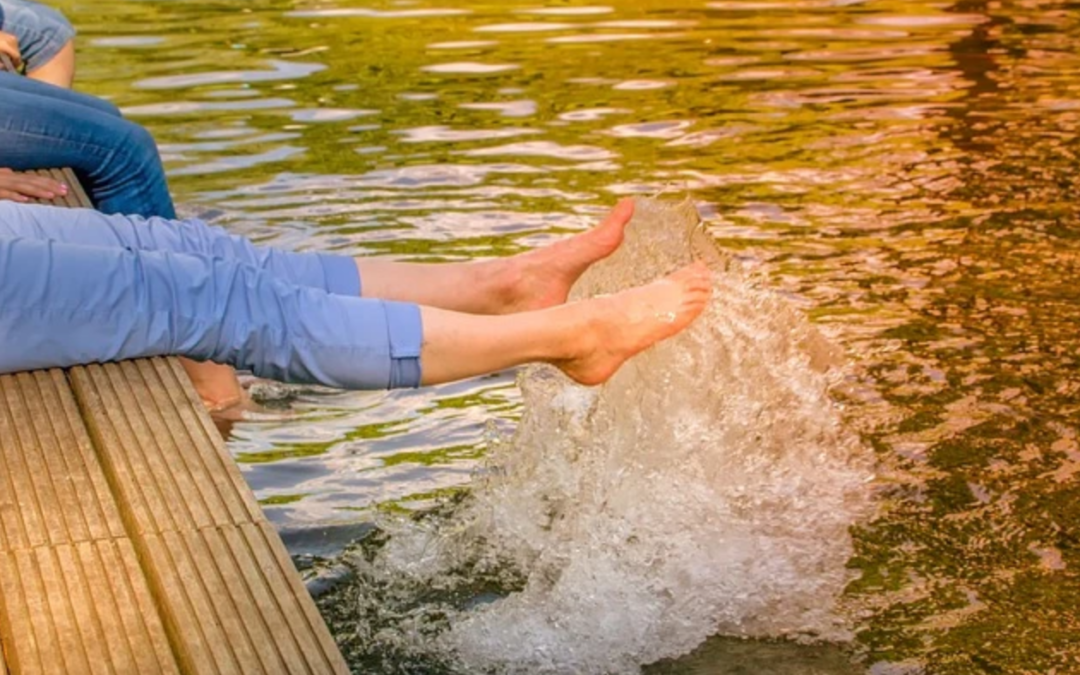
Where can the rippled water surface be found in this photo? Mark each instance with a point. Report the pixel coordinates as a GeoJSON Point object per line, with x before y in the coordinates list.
{"type": "Point", "coordinates": [904, 172]}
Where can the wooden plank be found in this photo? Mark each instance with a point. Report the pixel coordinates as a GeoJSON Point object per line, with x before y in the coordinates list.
{"type": "Point", "coordinates": [56, 499]}
{"type": "Point", "coordinates": [214, 467]}
{"type": "Point", "coordinates": [190, 633]}
{"type": "Point", "coordinates": [80, 463]}
{"type": "Point", "coordinates": [22, 520]}
{"type": "Point", "coordinates": [53, 489]}
{"type": "Point", "coordinates": [253, 643]}
{"type": "Point", "coordinates": [306, 623]}
{"type": "Point", "coordinates": [250, 587]}
{"type": "Point", "coordinates": [138, 472]}
{"type": "Point", "coordinates": [261, 593]}
{"type": "Point", "coordinates": [77, 612]}
{"type": "Point", "coordinates": [188, 583]}
{"type": "Point", "coordinates": [228, 582]}
{"type": "Point", "coordinates": [80, 570]}
{"type": "Point", "coordinates": [40, 623]}
{"type": "Point", "coordinates": [24, 654]}
{"type": "Point", "coordinates": [137, 609]}
{"type": "Point", "coordinates": [229, 595]}
{"type": "Point", "coordinates": [61, 608]}
{"type": "Point", "coordinates": [58, 610]}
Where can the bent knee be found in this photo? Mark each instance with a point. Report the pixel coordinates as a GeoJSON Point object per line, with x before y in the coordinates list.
{"type": "Point", "coordinates": [139, 145]}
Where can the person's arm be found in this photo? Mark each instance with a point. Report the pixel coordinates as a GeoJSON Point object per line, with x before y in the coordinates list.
{"type": "Point", "coordinates": [59, 70]}
{"type": "Point", "coordinates": [9, 46]}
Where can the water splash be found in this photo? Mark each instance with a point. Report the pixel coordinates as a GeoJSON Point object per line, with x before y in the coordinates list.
{"type": "Point", "coordinates": [708, 487]}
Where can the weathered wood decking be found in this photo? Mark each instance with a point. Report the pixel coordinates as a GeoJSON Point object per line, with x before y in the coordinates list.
{"type": "Point", "coordinates": [129, 541]}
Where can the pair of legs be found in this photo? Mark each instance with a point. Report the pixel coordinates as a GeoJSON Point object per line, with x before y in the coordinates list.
{"type": "Point", "coordinates": [486, 316]}
{"type": "Point", "coordinates": [152, 288]}
{"type": "Point", "coordinates": [117, 161]}
{"type": "Point", "coordinates": [46, 40]}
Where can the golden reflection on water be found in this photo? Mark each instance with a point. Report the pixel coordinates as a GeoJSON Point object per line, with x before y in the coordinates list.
{"type": "Point", "coordinates": [906, 171]}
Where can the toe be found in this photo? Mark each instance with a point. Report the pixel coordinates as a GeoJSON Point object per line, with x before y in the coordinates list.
{"type": "Point", "coordinates": [621, 214]}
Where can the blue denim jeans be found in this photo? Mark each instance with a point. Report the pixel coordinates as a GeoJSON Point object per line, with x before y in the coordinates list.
{"type": "Point", "coordinates": [77, 286]}
{"type": "Point", "coordinates": [41, 31]}
{"type": "Point", "coordinates": [44, 127]}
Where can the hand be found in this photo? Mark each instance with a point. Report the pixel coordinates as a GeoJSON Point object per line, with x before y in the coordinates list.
{"type": "Point", "coordinates": [22, 187]}
{"type": "Point", "coordinates": [9, 45]}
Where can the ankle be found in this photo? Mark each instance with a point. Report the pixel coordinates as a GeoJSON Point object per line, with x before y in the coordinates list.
{"type": "Point", "coordinates": [584, 329]}
{"type": "Point", "coordinates": [501, 280]}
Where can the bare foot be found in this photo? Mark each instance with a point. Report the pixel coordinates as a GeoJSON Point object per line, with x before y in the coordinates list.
{"type": "Point", "coordinates": [542, 278]}
{"type": "Point", "coordinates": [619, 326]}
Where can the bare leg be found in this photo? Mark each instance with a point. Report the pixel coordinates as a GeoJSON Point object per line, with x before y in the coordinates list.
{"type": "Point", "coordinates": [530, 281]}
{"type": "Point", "coordinates": [60, 70]}
{"type": "Point", "coordinates": [587, 340]}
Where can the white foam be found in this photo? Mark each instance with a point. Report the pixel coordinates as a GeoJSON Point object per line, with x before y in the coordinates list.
{"type": "Point", "coordinates": [708, 487]}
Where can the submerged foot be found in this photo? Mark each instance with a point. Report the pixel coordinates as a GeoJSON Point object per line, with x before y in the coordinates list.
{"type": "Point", "coordinates": [542, 278]}
{"type": "Point", "coordinates": [619, 326]}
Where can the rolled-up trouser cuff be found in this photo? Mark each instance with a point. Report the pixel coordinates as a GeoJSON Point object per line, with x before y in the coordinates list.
{"type": "Point", "coordinates": [341, 274]}
{"type": "Point", "coordinates": [405, 333]}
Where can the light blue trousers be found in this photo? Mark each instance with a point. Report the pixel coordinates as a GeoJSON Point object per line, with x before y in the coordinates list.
{"type": "Point", "coordinates": [78, 286]}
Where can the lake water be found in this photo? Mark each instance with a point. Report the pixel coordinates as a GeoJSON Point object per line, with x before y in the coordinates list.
{"type": "Point", "coordinates": [905, 173]}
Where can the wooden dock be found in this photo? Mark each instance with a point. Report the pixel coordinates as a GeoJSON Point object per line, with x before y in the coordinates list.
{"type": "Point", "coordinates": [129, 540]}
